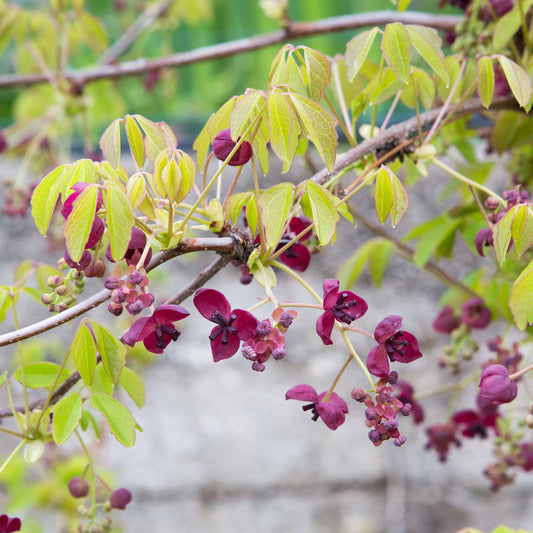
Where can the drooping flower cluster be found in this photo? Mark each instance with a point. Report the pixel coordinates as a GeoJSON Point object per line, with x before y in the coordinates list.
{"type": "Point", "coordinates": [344, 307]}
{"type": "Point", "coordinates": [331, 408]}
{"type": "Point", "coordinates": [267, 342]}
{"type": "Point", "coordinates": [125, 293]}
{"type": "Point", "coordinates": [381, 413]}
{"type": "Point", "coordinates": [232, 325]}
{"type": "Point", "coordinates": [158, 330]}
{"type": "Point", "coordinates": [394, 345]}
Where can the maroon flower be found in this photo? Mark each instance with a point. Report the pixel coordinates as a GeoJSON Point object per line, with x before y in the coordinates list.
{"type": "Point", "coordinates": [474, 423]}
{"type": "Point", "coordinates": [268, 341]}
{"type": "Point", "coordinates": [476, 315]}
{"type": "Point", "coordinates": [232, 325]}
{"type": "Point", "coordinates": [394, 345]}
{"type": "Point", "coordinates": [483, 238]}
{"type": "Point", "coordinates": [78, 487]}
{"type": "Point", "coordinates": [297, 256]}
{"type": "Point", "coordinates": [332, 412]}
{"type": "Point", "coordinates": [8, 525]}
{"type": "Point", "coordinates": [135, 249]}
{"type": "Point", "coordinates": [406, 395]}
{"type": "Point", "coordinates": [446, 321]}
{"type": "Point", "coordinates": [441, 437]}
{"type": "Point", "coordinates": [120, 498]}
{"type": "Point", "coordinates": [158, 330]}
{"type": "Point", "coordinates": [223, 144]}
{"type": "Point", "coordinates": [496, 386]}
{"type": "Point", "coordinates": [344, 307]}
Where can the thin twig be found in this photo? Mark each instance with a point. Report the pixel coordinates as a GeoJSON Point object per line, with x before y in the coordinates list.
{"type": "Point", "coordinates": [294, 31]}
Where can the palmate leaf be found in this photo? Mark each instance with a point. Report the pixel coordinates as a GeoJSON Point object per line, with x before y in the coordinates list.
{"type": "Point", "coordinates": [319, 124]}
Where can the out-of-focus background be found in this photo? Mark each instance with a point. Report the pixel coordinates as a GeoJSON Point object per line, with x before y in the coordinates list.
{"type": "Point", "coordinates": [221, 450]}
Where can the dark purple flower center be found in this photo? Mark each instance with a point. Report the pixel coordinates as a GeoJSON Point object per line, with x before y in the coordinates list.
{"type": "Point", "coordinates": [314, 411]}
{"type": "Point", "coordinates": [225, 326]}
{"type": "Point", "coordinates": [393, 345]}
{"type": "Point", "coordinates": [161, 331]}
{"type": "Point", "coordinates": [340, 309]}
{"type": "Point", "coordinates": [285, 240]}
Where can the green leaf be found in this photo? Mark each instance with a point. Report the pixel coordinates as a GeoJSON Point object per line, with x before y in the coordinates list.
{"type": "Point", "coordinates": [320, 125]}
{"type": "Point", "coordinates": [521, 301]}
{"type": "Point", "coordinates": [3, 378]}
{"type": "Point", "coordinates": [78, 225]}
{"type": "Point", "coordinates": [324, 212]}
{"type": "Point", "coordinates": [518, 80]}
{"type": "Point", "coordinates": [508, 25]}
{"type": "Point", "coordinates": [318, 72]}
{"type": "Point", "coordinates": [86, 419]}
{"type": "Point", "coordinates": [41, 375]}
{"type": "Point", "coordinates": [400, 200]}
{"type": "Point", "coordinates": [156, 140]}
{"type": "Point", "coordinates": [246, 109]}
{"type": "Point", "coordinates": [403, 4]}
{"type": "Point", "coordinates": [485, 80]}
{"type": "Point", "coordinates": [433, 233]}
{"type": "Point", "coordinates": [275, 204]}
{"type": "Point", "coordinates": [396, 47]}
{"type": "Point", "coordinates": [112, 352]}
{"type": "Point", "coordinates": [357, 51]}
{"type": "Point", "coordinates": [135, 140]}
{"type": "Point", "coordinates": [33, 451]}
{"type": "Point", "coordinates": [101, 381]}
{"type": "Point", "coordinates": [235, 205]}
{"type": "Point", "coordinates": [83, 352]}
{"type": "Point", "coordinates": [44, 199]}
{"type": "Point", "coordinates": [119, 221]}
{"type": "Point", "coordinates": [264, 275]}
{"type": "Point", "coordinates": [132, 385]}
{"type": "Point", "coordinates": [429, 45]}
{"type": "Point", "coordinates": [67, 415]}
{"type": "Point", "coordinates": [121, 422]}
{"type": "Point", "coordinates": [383, 195]}
{"type": "Point", "coordinates": [501, 233]}
{"type": "Point", "coordinates": [5, 303]}
{"type": "Point", "coordinates": [136, 190]}
{"type": "Point", "coordinates": [522, 230]}
{"type": "Point", "coordinates": [284, 128]}
{"type": "Point", "coordinates": [379, 256]}
{"type": "Point", "coordinates": [110, 143]}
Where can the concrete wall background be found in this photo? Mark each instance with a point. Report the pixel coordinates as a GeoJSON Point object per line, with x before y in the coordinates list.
{"type": "Point", "coordinates": [222, 451]}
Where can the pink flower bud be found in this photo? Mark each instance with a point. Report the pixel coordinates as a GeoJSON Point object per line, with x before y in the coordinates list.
{"type": "Point", "coordinates": [496, 386]}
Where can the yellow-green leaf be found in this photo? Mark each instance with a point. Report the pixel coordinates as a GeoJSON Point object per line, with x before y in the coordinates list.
{"type": "Point", "coordinates": [41, 375]}
{"type": "Point", "coordinates": [275, 204]}
{"type": "Point", "coordinates": [284, 128]}
{"type": "Point", "coordinates": [83, 353]}
{"type": "Point", "coordinates": [521, 301]}
{"type": "Point", "coordinates": [121, 422]}
{"type": "Point", "coordinates": [119, 221]}
{"type": "Point", "coordinates": [485, 80]}
{"type": "Point", "coordinates": [501, 233]}
{"type": "Point", "coordinates": [357, 51]}
{"type": "Point", "coordinates": [318, 72]}
{"type": "Point", "coordinates": [396, 47]}
{"type": "Point", "coordinates": [135, 140]}
{"type": "Point", "coordinates": [112, 352]}
{"type": "Point", "coordinates": [132, 385]}
{"type": "Point", "coordinates": [67, 414]}
{"type": "Point", "coordinates": [325, 215]}
{"type": "Point", "coordinates": [44, 199]}
{"type": "Point", "coordinates": [110, 142]}
{"type": "Point", "coordinates": [383, 195]}
{"type": "Point", "coordinates": [320, 125]}
{"type": "Point", "coordinates": [518, 80]}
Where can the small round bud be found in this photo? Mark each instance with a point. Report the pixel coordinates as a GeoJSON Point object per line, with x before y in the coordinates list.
{"type": "Point", "coordinates": [278, 353]}
{"type": "Point", "coordinates": [286, 320]}
{"type": "Point", "coordinates": [50, 281]}
{"type": "Point", "coordinates": [120, 498]}
{"type": "Point", "coordinates": [115, 308]}
{"type": "Point", "coordinates": [99, 268]}
{"type": "Point", "coordinates": [61, 290]}
{"type": "Point", "coordinates": [52, 308]}
{"type": "Point", "coordinates": [359, 395]}
{"type": "Point", "coordinates": [47, 299]}
{"type": "Point", "coordinates": [62, 264]}
{"type": "Point", "coordinates": [400, 441]}
{"type": "Point", "coordinates": [258, 367]}
{"type": "Point", "coordinates": [393, 377]}
{"type": "Point", "coordinates": [61, 307]}
{"type": "Point", "coordinates": [111, 282]}
{"type": "Point", "coordinates": [370, 413]}
{"type": "Point", "coordinates": [406, 409]}
{"type": "Point", "coordinates": [78, 487]}
{"type": "Point", "coordinates": [134, 308]}
{"type": "Point", "coordinates": [76, 274]}
{"type": "Point", "coordinates": [492, 202]}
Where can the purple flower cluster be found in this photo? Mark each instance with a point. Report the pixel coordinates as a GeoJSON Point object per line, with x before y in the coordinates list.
{"type": "Point", "coordinates": [268, 341]}
{"type": "Point", "coordinates": [124, 292]}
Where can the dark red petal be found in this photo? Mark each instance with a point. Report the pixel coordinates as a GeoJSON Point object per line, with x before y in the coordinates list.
{"type": "Point", "coordinates": [324, 326]}
{"type": "Point", "coordinates": [242, 155]}
{"type": "Point", "coordinates": [302, 259]}
{"type": "Point", "coordinates": [13, 525]}
{"type": "Point", "coordinates": [359, 309]}
{"type": "Point", "coordinates": [333, 412]}
{"type": "Point", "coordinates": [3, 521]}
{"type": "Point", "coordinates": [377, 362]}
{"type": "Point", "coordinates": [411, 351]}
{"type": "Point", "coordinates": [305, 393]}
{"type": "Point", "coordinates": [245, 324]}
{"type": "Point", "coordinates": [224, 351]}
{"type": "Point", "coordinates": [387, 328]}
{"type": "Point", "coordinates": [330, 293]}
{"type": "Point", "coordinates": [297, 225]}
{"type": "Point", "coordinates": [165, 314]}
{"type": "Point", "coordinates": [97, 230]}
{"type": "Point", "coordinates": [467, 416]}
{"type": "Point", "coordinates": [207, 301]}
{"type": "Point", "coordinates": [133, 334]}
{"type": "Point", "coordinates": [150, 342]}
{"type": "Point", "coordinates": [446, 321]}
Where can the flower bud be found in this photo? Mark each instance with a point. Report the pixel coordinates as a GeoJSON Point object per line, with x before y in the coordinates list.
{"type": "Point", "coordinates": [496, 386]}
{"type": "Point", "coordinates": [359, 395]}
{"type": "Point", "coordinates": [78, 487]}
{"type": "Point", "coordinates": [223, 144]}
{"type": "Point", "coordinates": [120, 498]}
